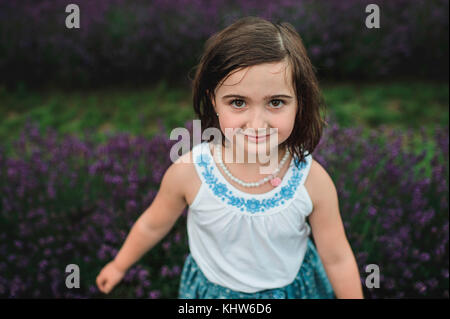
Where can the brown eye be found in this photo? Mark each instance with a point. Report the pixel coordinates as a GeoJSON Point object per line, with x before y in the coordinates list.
{"type": "Point", "coordinates": [239, 104]}
{"type": "Point", "coordinates": [278, 105]}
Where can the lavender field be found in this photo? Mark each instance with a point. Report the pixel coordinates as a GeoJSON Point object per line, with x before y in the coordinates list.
{"type": "Point", "coordinates": [139, 41]}
{"type": "Point", "coordinates": [85, 116]}
{"type": "Point", "coordinates": [67, 200]}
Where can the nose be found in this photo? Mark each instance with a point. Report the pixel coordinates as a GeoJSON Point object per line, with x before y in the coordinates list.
{"type": "Point", "coordinates": [257, 122]}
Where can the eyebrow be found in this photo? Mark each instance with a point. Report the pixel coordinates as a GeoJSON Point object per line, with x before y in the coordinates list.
{"type": "Point", "coordinates": [268, 97]}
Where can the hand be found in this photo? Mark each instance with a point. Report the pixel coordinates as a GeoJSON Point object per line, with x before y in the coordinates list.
{"type": "Point", "coordinates": [109, 277]}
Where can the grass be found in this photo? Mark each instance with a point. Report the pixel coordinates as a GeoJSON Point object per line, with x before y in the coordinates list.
{"type": "Point", "coordinates": [398, 104]}
{"type": "Point", "coordinates": [136, 111]}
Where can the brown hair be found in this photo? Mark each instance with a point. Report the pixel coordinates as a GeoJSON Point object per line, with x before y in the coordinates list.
{"type": "Point", "coordinates": [251, 41]}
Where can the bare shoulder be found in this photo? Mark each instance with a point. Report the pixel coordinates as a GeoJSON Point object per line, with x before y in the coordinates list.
{"type": "Point", "coordinates": [186, 176]}
{"type": "Point", "coordinates": [182, 169]}
{"type": "Point", "coordinates": [319, 184]}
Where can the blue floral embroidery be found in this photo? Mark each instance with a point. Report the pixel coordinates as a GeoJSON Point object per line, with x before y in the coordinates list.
{"type": "Point", "coordinates": [251, 205]}
{"type": "Point", "coordinates": [220, 189]}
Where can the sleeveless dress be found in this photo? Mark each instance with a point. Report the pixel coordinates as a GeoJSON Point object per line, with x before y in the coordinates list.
{"type": "Point", "coordinates": [251, 246]}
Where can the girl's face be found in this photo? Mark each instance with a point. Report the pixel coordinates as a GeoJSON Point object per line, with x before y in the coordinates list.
{"type": "Point", "coordinates": [257, 101]}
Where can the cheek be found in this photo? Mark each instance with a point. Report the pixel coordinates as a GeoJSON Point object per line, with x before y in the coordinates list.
{"type": "Point", "coordinates": [285, 126]}
{"type": "Point", "coordinates": [228, 122]}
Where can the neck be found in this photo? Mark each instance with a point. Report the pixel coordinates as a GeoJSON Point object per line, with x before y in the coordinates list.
{"type": "Point", "coordinates": [253, 164]}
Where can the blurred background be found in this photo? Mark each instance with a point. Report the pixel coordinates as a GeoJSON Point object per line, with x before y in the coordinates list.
{"type": "Point", "coordinates": [85, 117]}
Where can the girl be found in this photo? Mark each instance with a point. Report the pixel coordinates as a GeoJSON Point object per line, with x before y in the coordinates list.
{"type": "Point", "coordinates": [248, 232]}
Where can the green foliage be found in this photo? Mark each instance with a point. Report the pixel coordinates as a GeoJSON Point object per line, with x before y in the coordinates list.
{"type": "Point", "coordinates": [404, 105]}
{"type": "Point", "coordinates": [137, 111]}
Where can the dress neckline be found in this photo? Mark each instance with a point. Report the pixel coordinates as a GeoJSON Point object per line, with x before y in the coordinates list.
{"type": "Point", "coordinates": [283, 183]}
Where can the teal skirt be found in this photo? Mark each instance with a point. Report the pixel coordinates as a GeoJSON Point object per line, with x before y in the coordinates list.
{"type": "Point", "coordinates": [311, 282]}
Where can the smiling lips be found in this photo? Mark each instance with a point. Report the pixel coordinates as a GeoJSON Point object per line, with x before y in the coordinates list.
{"type": "Point", "coordinates": [258, 138]}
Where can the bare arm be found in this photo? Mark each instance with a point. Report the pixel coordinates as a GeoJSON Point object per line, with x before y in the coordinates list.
{"type": "Point", "coordinates": [157, 220]}
{"type": "Point", "coordinates": [331, 241]}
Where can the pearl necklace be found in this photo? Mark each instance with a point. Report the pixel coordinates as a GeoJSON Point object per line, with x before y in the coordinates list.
{"type": "Point", "coordinates": [275, 181]}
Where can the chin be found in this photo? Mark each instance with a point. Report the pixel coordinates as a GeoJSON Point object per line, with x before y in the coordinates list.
{"type": "Point", "coordinates": [257, 148]}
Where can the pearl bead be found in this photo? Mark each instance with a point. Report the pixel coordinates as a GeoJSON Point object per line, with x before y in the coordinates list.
{"type": "Point", "coordinates": [250, 184]}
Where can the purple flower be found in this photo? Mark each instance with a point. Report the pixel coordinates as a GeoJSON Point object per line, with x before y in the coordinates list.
{"type": "Point", "coordinates": [43, 264]}
{"type": "Point", "coordinates": [91, 225]}
{"type": "Point", "coordinates": [176, 270]}
{"type": "Point", "coordinates": [432, 283]}
{"type": "Point", "coordinates": [18, 244]}
{"type": "Point", "coordinates": [154, 294]}
{"type": "Point", "coordinates": [143, 274]}
{"type": "Point", "coordinates": [420, 287]}
{"type": "Point", "coordinates": [166, 245]}
{"type": "Point", "coordinates": [165, 271]}
{"type": "Point", "coordinates": [177, 237]}
{"type": "Point", "coordinates": [424, 257]}
{"type": "Point", "coordinates": [407, 274]}
{"type": "Point", "coordinates": [139, 291]}
{"type": "Point", "coordinates": [131, 206]}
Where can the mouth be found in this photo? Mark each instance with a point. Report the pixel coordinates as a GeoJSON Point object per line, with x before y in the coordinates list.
{"type": "Point", "coordinates": [257, 138]}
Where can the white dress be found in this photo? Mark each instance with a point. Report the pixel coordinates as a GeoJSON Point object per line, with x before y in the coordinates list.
{"type": "Point", "coordinates": [248, 242]}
